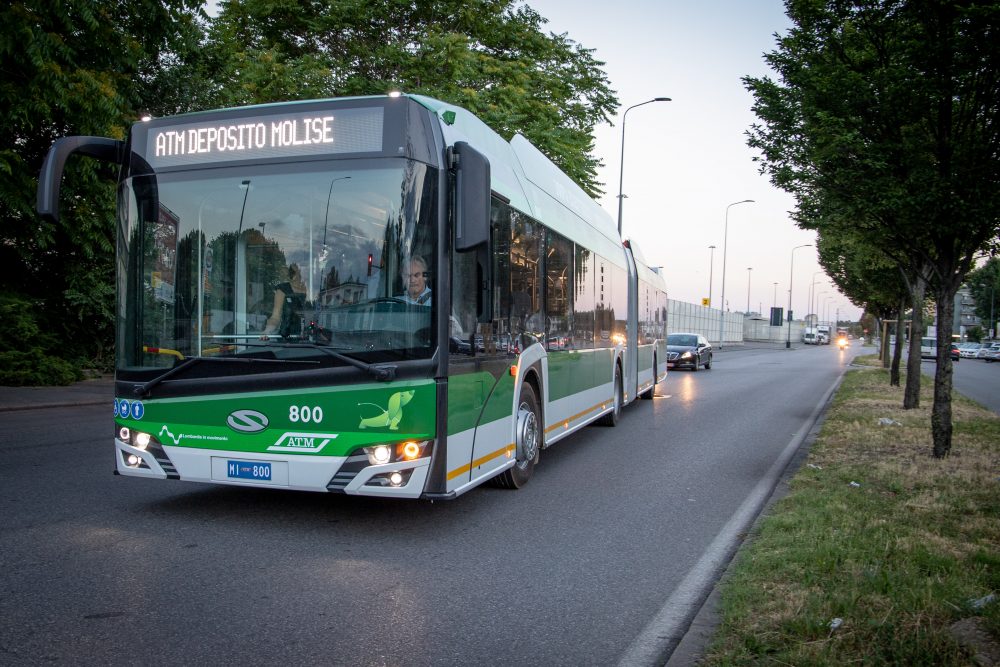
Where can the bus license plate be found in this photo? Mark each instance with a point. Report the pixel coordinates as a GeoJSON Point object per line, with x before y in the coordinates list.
{"type": "Point", "coordinates": [257, 470]}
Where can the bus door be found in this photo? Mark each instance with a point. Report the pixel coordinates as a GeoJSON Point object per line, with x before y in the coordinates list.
{"type": "Point", "coordinates": [631, 379]}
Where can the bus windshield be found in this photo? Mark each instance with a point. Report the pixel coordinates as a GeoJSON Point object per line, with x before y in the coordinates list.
{"type": "Point", "coordinates": [287, 261]}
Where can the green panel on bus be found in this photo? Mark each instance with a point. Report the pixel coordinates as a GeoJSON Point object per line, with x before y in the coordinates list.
{"type": "Point", "coordinates": [478, 398]}
{"type": "Point", "coordinates": [326, 422]}
{"type": "Point", "coordinates": [573, 372]}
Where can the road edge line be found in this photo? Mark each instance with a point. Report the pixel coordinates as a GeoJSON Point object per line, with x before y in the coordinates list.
{"type": "Point", "coordinates": [661, 636]}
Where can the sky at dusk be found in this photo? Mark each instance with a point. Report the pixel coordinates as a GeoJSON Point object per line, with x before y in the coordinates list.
{"type": "Point", "coordinates": [687, 160]}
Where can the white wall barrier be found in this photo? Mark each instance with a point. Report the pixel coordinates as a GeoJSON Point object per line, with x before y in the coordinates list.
{"type": "Point", "coordinates": [691, 318]}
{"type": "Point", "coordinates": [736, 328]}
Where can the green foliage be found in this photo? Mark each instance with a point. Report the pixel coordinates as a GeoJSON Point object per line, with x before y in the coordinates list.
{"type": "Point", "coordinates": [883, 124]}
{"type": "Point", "coordinates": [25, 348]}
{"type": "Point", "coordinates": [984, 285]}
{"type": "Point", "coordinates": [72, 67]}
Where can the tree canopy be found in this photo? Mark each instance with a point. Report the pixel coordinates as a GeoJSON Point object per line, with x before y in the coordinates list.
{"type": "Point", "coordinates": [491, 57]}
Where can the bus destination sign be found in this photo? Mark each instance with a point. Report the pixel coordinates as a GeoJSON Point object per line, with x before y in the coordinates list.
{"type": "Point", "coordinates": [322, 132]}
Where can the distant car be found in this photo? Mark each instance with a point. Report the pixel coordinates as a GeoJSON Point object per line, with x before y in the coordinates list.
{"type": "Point", "coordinates": [928, 349]}
{"type": "Point", "coordinates": [688, 350]}
{"type": "Point", "coordinates": [458, 346]}
{"type": "Point", "coordinates": [983, 349]}
{"type": "Point", "coordinates": [992, 353]}
{"type": "Point", "coordinates": [969, 350]}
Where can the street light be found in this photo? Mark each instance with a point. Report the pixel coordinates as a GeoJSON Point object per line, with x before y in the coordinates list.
{"type": "Point", "coordinates": [812, 290]}
{"type": "Point", "coordinates": [791, 274]}
{"type": "Point", "coordinates": [725, 238]}
{"type": "Point", "coordinates": [621, 168]}
{"type": "Point", "coordinates": [711, 260]}
{"type": "Point", "coordinates": [749, 269]}
{"type": "Point", "coordinates": [992, 321]}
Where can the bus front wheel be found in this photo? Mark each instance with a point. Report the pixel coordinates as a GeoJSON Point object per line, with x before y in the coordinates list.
{"type": "Point", "coordinates": [528, 441]}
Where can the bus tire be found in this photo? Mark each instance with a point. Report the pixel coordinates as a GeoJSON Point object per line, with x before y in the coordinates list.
{"type": "Point", "coordinates": [528, 441]}
{"type": "Point", "coordinates": [611, 418]}
{"type": "Point", "coordinates": [648, 394]}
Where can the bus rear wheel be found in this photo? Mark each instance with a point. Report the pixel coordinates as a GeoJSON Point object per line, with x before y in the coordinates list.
{"type": "Point", "coordinates": [648, 394]}
{"type": "Point", "coordinates": [611, 418]}
{"type": "Point", "coordinates": [527, 441]}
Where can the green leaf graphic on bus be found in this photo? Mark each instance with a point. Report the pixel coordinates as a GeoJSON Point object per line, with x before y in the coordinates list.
{"type": "Point", "coordinates": [390, 416]}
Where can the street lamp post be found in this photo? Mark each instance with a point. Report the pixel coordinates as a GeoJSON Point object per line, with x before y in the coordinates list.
{"type": "Point", "coordinates": [621, 167]}
{"type": "Point", "coordinates": [711, 261]}
{"type": "Point", "coordinates": [749, 269]}
{"type": "Point", "coordinates": [791, 274]}
{"type": "Point", "coordinates": [774, 300]}
{"type": "Point", "coordinates": [990, 329]}
{"type": "Point", "coordinates": [725, 237]}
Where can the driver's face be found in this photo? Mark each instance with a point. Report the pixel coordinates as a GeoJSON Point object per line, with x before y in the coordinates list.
{"type": "Point", "coordinates": [416, 279]}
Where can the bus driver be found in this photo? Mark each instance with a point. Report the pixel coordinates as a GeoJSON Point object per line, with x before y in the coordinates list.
{"type": "Point", "coordinates": [415, 274]}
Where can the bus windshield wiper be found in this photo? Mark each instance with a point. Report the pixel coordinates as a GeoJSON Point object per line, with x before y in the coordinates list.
{"type": "Point", "coordinates": [142, 390]}
{"type": "Point", "coordinates": [382, 373]}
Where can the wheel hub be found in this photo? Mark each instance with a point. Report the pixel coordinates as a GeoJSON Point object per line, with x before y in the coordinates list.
{"type": "Point", "coordinates": [527, 434]}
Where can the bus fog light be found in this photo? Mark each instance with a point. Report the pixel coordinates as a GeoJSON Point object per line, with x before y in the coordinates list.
{"type": "Point", "coordinates": [395, 479]}
{"type": "Point", "coordinates": [124, 434]}
{"type": "Point", "coordinates": [142, 440]}
{"type": "Point", "coordinates": [133, 460]}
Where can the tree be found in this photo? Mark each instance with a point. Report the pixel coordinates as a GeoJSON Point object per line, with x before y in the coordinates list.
{"type": "Point", "coordinates": [73, 67]}
{"type": "Point", "coordinates": [867, 276]}
{"type": "Point", "coordinates": [984, 285]}
{"type": "Point", "coordinates": [488, 56]}
{"type": "Point", "coordinates": [885, 116]}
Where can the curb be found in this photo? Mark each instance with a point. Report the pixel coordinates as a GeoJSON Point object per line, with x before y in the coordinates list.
{"type": "Point", "coordinates": [48, 406]}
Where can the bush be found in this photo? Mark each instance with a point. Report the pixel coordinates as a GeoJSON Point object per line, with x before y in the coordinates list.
{"type": "Point", "coordinates": [28, 356]}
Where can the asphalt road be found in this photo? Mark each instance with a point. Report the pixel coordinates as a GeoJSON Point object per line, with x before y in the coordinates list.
{"type": "Point", "coordinates": [974, 378]}
{"type": "Point", "coordinates": [98, 569]}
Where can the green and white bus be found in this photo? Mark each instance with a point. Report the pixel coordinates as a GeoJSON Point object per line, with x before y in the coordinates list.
{"type": "Point", "coordinates": [375, 296]}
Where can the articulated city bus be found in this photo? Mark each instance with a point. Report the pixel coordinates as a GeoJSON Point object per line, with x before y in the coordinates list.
{"type": "Point", "coordinates": [375, 296]}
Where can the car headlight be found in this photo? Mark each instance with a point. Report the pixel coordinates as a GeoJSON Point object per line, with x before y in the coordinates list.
{"type": "Point", "coordinates": [686, 355]}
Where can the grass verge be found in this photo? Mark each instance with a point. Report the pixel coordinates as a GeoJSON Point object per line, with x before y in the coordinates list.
{"type": "Point", "coordinates": [879, 554]}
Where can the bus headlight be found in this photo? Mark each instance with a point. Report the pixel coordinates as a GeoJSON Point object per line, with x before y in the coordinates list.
{"type": "Point", "coordinates": [410, 450]}
{"type": "Point", "coordinates": [379, 454]}
{"type": "Point", "coordinates": [142, 440]}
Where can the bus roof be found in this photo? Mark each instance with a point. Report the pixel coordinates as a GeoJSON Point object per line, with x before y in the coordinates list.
{"type": "Point", "coordinates": [533, 183]}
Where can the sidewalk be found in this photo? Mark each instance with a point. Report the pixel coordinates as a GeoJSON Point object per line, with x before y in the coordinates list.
{"type": "Point", "coordinates": [86, 392]}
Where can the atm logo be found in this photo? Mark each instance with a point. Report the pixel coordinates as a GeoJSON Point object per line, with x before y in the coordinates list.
{"type": "Point", "coordinates": [247, 421]}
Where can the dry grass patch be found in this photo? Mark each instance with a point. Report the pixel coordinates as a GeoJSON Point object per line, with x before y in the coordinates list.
{"type": "Point", "coordinates": [874, 532]}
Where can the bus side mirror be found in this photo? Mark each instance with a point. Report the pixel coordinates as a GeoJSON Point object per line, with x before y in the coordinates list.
{"type": "Point", "coordinates": [472, 220]}
{"type": "Point", "coordinates": [50, 178]}
{"type": "Point", "coordinates": [472, 205]}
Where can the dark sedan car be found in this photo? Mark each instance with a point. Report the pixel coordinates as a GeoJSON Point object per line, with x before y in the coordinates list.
{"type": "Point", "coordinates": [688, 350]}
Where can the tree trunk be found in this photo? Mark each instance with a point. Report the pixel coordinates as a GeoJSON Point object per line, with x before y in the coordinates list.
{"type": "Point", "coordinates": [911, 394]}
{"type": "Point", "coordinates": [941, 426]}
{"type": "Point", "coordinates": [897, 350]}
